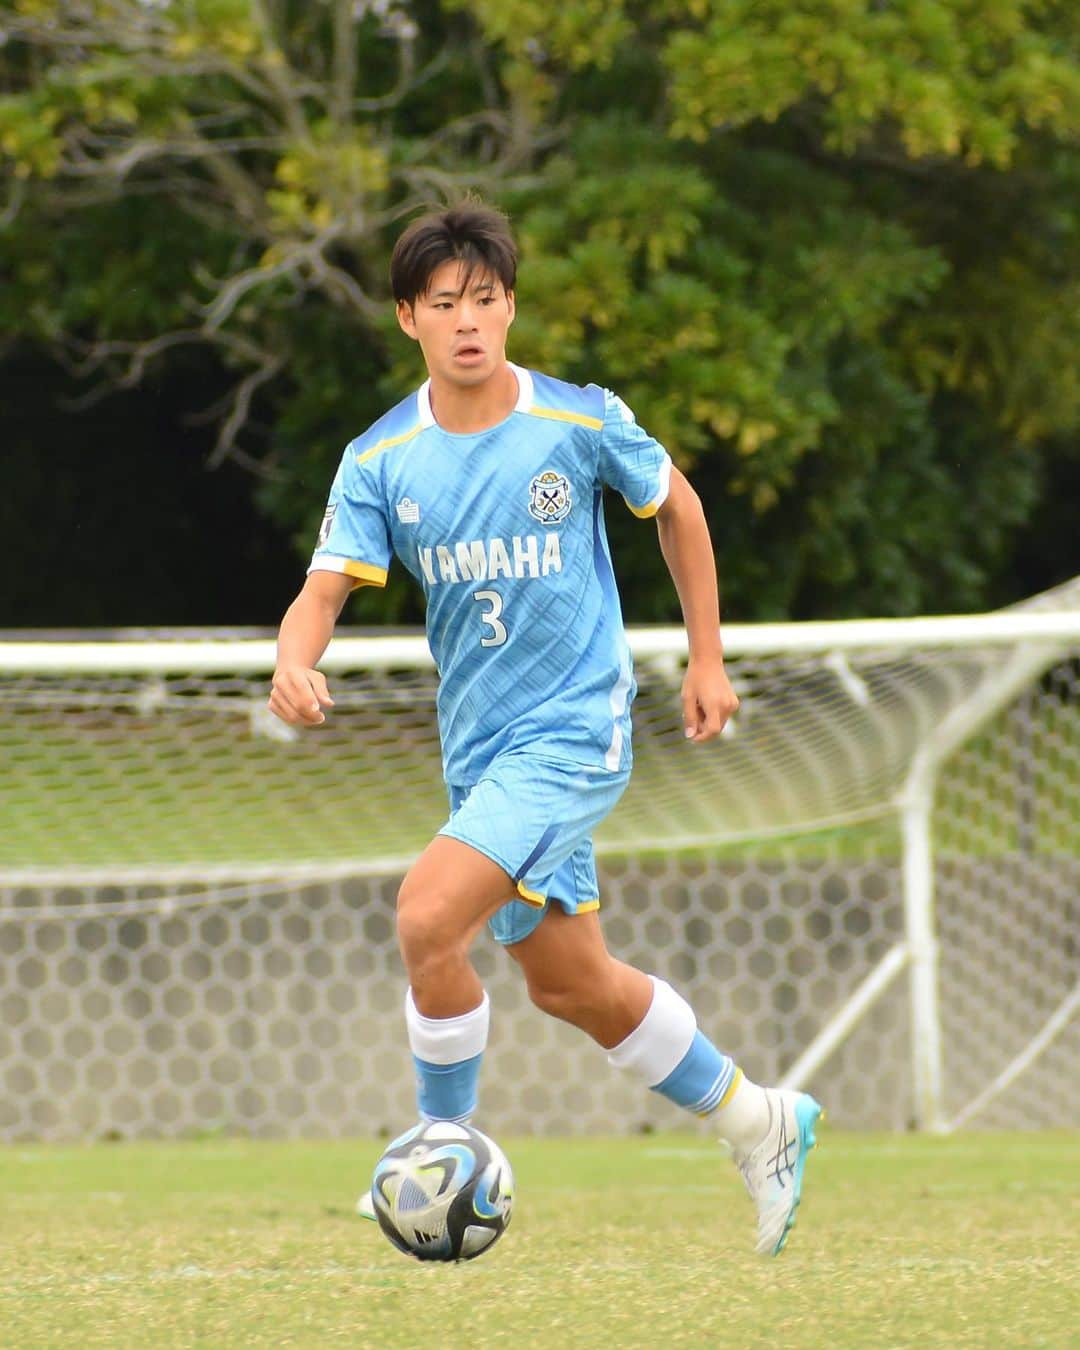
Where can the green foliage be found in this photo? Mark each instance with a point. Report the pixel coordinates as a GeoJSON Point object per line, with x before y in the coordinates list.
{"type": "Point", "coordinates": [939, 77]}
{"type": "Point", "coordinates": [828, 251]}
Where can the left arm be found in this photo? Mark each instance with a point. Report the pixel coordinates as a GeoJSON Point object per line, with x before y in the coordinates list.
{"type": "Point", "coordinates": [708, 698]}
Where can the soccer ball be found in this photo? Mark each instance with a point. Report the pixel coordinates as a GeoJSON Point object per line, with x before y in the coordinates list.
{"type": "Point", "coordinates": [443, 1192]}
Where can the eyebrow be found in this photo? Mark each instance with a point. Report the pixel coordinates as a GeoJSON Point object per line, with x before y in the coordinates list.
{"type": "Point", "coordinates": [480, 286]}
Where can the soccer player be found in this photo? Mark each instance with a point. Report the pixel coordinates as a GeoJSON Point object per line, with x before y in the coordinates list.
{"type": "Point", "coordinates": [487, 483]}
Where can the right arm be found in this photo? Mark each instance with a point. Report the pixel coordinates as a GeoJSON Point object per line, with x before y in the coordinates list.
{"type": "Point", "coordinates": [299, 691]}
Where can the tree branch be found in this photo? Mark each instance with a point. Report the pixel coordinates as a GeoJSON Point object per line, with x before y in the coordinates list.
{"type": "Point", "coordinates": [143, 101]}
{"type": "Point", "coordinates": [343, 79]}
{"type": "Point", "coordinates": [225, 446]}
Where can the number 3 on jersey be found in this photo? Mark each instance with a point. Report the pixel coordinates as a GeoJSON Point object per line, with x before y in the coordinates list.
{"type": "Point", "coordinates": [490, 617]}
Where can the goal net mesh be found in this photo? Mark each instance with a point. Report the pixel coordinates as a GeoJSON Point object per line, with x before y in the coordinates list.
{"type": "Point", "coordinates": [197, 907]}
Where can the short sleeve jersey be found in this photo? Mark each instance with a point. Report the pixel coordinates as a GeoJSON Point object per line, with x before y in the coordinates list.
{"type": "Point", "coordinates": [504, 531]}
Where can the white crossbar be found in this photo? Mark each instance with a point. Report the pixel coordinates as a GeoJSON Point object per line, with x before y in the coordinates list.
{"type": "Point", "coordinates": [244, 656]}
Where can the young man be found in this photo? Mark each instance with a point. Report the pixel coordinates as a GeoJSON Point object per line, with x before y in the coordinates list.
{"type": "Point", "coordinates": [487, 484]}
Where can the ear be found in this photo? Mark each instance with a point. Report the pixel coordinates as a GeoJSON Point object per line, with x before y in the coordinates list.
{"type": "Point", "coordinates": [406, 319]}
{"type": "Point", "coordinates": [511, 305]}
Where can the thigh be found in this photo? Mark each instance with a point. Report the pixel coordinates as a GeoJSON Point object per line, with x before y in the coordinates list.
{"type": "Point", "coordinates": [456, 884]}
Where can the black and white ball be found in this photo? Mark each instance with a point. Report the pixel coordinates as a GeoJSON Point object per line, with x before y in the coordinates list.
{"type": "Point", "coordinates": [443, 1192]}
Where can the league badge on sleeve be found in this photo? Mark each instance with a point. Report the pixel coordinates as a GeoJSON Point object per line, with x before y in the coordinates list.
{"type": "Point", "coordinates": [327, 522]}
{"type": "Point", "coordinates": [549, 498]}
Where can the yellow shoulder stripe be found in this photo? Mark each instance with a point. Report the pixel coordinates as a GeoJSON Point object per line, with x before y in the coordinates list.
{"type": "Point", "coordinates": [365, 574]}
{"type": "Point", "coordinates": [557, 415]}
{"type": "Point", "coordinates": [379, 446]}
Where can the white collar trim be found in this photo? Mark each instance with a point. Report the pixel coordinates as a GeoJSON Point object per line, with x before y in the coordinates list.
{"type": "Point", "coordinates": [525, 387]}
{"type": "Point", "coordinates": [524, 399]}
{"type": "Point", "coordinates": [423, 405]}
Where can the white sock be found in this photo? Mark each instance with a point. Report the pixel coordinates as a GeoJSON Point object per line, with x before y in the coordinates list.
{"type": "Point", "coordinates": [660, 1040]}
{"type": "Point", "coordinates": [744, 1119]}
{"type": "Point", "coordinates": [446, 1040]}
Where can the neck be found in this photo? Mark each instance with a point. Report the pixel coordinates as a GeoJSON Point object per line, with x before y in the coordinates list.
{"type": "Point", "coordinates": [469, 408]}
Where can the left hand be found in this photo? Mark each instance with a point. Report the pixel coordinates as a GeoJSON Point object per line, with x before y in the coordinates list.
{"type": "Point", "coordinates": [708, 698]}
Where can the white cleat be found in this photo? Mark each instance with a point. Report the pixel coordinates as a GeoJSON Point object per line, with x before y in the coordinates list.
{"type": "Point", "coordinates": [773, 1171]}
{"type": "Point", "coordinates": [365, 1207]}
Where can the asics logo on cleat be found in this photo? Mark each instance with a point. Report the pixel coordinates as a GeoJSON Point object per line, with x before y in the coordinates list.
{"type": "Point", "coordinates": [782, 1162]}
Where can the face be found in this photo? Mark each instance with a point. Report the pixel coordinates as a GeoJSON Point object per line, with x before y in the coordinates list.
{"type": "Point", "coordinates": [462, 333]}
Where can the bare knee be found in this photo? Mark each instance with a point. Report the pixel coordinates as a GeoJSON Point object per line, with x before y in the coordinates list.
{"type": "Point", "coordinates": [604, 998]}
{"type": "Point", "coordinates": [430, 932]}
{"type": "Point", "coordinates": [554, 1000]}
{"type": "Point", "coordinates": [576, 998]}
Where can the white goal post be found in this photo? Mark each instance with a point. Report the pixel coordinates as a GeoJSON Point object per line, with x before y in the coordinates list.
{"type": "Point", "coordinates": [869, 885]}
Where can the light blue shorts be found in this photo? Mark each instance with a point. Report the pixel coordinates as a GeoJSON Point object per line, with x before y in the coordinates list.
{"type": "Point", "coordinates": [535, 817]}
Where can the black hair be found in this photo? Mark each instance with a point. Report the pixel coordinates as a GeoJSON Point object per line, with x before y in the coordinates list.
{"type": "Point", "coordinates": [478, 235]}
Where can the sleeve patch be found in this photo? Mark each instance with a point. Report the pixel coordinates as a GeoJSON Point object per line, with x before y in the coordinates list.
{"type": "Point", "coordinates": [327, 522]}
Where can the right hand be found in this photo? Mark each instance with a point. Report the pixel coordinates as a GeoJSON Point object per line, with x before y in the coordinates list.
{"type": "Point", "coordinates": [298, 696]}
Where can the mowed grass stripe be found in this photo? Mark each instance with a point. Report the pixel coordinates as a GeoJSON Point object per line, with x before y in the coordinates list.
{"type": "Point", "coordinates": [970, 1240]}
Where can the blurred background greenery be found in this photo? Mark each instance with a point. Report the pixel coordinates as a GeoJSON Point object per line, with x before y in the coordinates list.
{"type": "Point", "coordinates": [826, 249]}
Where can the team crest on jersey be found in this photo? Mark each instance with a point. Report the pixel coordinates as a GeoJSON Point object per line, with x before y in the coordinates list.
{"type": "Point", "coordinates": [549, 498]}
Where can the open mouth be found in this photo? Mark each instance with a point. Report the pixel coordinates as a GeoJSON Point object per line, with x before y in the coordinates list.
{"type": "Point", "coordinates": [468, 353]}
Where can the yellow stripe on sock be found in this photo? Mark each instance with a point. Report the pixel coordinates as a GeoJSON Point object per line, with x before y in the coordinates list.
{"type": "Point", "coordinates": [732, 1089]}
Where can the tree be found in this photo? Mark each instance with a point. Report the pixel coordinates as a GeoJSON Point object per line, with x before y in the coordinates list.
{"type": "Point", "coordinates": [253, 155]}
{"type": "Point", "coordinates": [826, 249]}
{"type": "Point", "coordinates": [839, 275]}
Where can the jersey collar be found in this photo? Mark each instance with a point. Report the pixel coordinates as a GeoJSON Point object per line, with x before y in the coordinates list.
{"type": "Point", "coordinates": [523, 404]}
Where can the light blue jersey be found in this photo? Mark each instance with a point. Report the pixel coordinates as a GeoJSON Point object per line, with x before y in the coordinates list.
{"type": "Point", "coordinates": [504, 530]}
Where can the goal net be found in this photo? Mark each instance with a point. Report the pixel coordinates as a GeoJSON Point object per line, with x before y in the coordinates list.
{"type": "Point", "coordinates": [868, 886]}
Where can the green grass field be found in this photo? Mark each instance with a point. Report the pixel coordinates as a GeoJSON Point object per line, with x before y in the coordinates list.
{"type": "Point", "coordinates": [972, 1240]}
